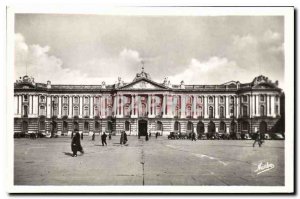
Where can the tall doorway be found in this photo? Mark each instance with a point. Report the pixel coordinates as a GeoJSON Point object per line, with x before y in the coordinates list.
{"type": "Point", "coordinates": [142, 128]}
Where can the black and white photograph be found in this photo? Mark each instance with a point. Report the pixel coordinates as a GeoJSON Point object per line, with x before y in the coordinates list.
{"type": "Point", "coordinates": [151, 100]}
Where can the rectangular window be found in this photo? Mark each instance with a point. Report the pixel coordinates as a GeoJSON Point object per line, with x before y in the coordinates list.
{"type": "Point", "coordinates": [42, 110]}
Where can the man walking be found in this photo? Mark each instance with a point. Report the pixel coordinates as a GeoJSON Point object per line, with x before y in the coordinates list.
{"type": "Point", "coordinates": [257, 139]}
{"type": "Point", "coordinates": [93, 136]}
{"type": "Point", "coordinates": [193, 136]}
{"type": "Point", "coordinates": [103, 139]}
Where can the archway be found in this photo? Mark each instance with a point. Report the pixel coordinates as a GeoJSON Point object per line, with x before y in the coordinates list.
{"type": "Point", "coordinates": [177, 126]}
{"type": "Point", "coordinates": [263, 127]}
{"type": "Point", "coordinates": [76, 126]}
{"type": "Point", "coordinates": [233, 127]}
{"type": "Point", "coordinates": [211, 127]}
{"type": "Point", "coordinates": [65, 127]}
{"type": "Point", "coordinates": [142, 128]}
{"type": "Point", "coordinates": [189, 127]}
{"type": "Point", "coordinates": [200, 128]}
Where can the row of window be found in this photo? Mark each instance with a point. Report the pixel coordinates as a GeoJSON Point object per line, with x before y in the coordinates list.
{"type": "Point", "coordinates": [97, 100]}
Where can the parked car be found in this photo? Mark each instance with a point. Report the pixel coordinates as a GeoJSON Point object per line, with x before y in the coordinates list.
{"type": "Point", "coordinates": [173, 136]}
{"type": "Point", "coordinates": [183, 136]}
{"type": "Point", "coordinates": [246, 136]}
{"type": "Point", "coordinates": [266, 136]}
{"type": "Point", "coordinates": [277, 136]}
{"type": "Point", "coordinates": [202, 136]}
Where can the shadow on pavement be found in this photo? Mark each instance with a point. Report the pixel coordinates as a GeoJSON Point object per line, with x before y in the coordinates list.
{"type": "Point", "coordinates": [68, 153]}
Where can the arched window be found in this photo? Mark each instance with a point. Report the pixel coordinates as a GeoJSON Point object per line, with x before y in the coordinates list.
{"type": "Point", "coordinates": [159, 126]}
{"type": "Point", "coordinates": [42, 99]}
{"type": "Point", "coordinates": [65, 126]}
{"type": "Point", "coordinates": [222, 112]}
{"type": "Point", "coordinates": [65, 100]}
{"type": "Point", "coordinates": [86, 100]}
{"type": "Point", "coordinates": [199, 111]}
{"type": "Point", "coordinates": [222, 127]}
{"type": "Point", "coordinates": [97, 126]}
{"type": "Point", "coordinates": [221, 99]}
{"type": "Point", "coordinates": [25, 98]}
{"type": "Point", "coordinates": [262, 98]}
{"type": "Point", "coordinates": [55, 110]}
{"type": "Point", "coordinates": [211, 127]}
{"type": "Point", "coordinates": [109, 126]}
{"type": "Point", "coordinates": [262, 110]}
{"type": "Point", "coordinates": [200, 128]}
{"type": "Point", "coordinates": [42, 110]}
{"type": "Point", "coordinates": [245, 111]}
{"type": "Point", "coordinates": [210, 99]}
{"type": "Point", "coordinates": [65, 111]}
{"type": "Point", "coordinates": [245, 126]}
{"type": "Point", "coordinates": [189, 126]}
{"type": "Point", "coordinates": [86, 111]}
{"type": "Point", "coordinates": [55, 99]}
{"type": "Point", "coordinates": [76, 111]}
{"type": "Point", "coordinates": [76, 101]}
{"type": "Point", "coordinates": [42, 126]}
{"type": "Point", "coordinates": [127, 126]}
{"type": "Point", "coordinates": [211, 112]}
{"type": "Point", "coordinates": [188, 111]}
{"type": "Point", "coordinates": [176, 126]}
{"type": "Point", "coordinates": [86, 126]}
{"type": "Point", "coordinates": [96, 111]}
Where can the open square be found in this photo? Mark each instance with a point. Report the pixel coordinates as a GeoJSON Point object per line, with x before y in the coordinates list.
{"type": "Point", "coordinates": [155, 162]}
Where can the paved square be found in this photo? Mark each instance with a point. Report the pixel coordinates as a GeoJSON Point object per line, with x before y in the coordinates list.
{"type": "Point", "coordinates": [155, 162]}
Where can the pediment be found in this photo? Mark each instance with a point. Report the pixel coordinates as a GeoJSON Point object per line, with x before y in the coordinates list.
{"type": "Point", "coordinates": [143, 85]}
{"type": "Point", "coordinates": [264, 86]}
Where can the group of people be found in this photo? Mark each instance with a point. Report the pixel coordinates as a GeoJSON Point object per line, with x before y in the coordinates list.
{"type": "Point", "coordinates": [76, 145]}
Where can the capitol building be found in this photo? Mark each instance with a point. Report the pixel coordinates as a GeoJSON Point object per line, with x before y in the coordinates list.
{"type": "Point", "coordinates": [145, 106]}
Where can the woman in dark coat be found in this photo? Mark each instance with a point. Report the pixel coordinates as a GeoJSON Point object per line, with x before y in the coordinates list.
{"type": "Point", "coordinates": [75, 145]}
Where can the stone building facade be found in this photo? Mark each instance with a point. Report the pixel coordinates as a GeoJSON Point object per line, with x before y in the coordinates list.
{"type": "Point", "coordinates": [144, 106]}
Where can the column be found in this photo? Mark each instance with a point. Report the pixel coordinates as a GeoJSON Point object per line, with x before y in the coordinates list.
{"type": "Point", "coordinates": [164, 105]}
{"type": "Point", "coordinates": [122, 104]}
{"type": "Point", "coordinates": [217, 115]}
{"type": "Point", "coordinates": [91, 106]}
{"type": "Point", "coordinates": [238, 106]}
{"type": "Point", "coordinates": [194, 107]}
{"type": "Point", "coordinates": [59, 106]}
{"type": "Point", "coordinates": [182, 106]}
{"type": "Point", "coordinates": [153, 105]}
{"type": "Point", "coordinates": [205, 107]}
{"type": "Point", "coordinates": [35, 105]}
{"type": "Point", "coordinates": [80, 107]}
{"type": "Point", "coordinates": [268, 105]}
{"type": "Point", "coordinates": [278, 103]}
{"type": "Point", "coordinates": [16, 105]}
{"type": "Point", "coordinates": [114, 104]}
{"type": "Point", "coordinates": [48, 106]}
{"type": "Point", "coordinates": [70, 107]}
{"type": "Point", "coordinates": [227, 106]}
{"type": "Point", "coordinates": [149, 104]}
{"type": "Point", "coordinates": [20, 104]}
{"type": "Point", "coordinates": [257, 112]}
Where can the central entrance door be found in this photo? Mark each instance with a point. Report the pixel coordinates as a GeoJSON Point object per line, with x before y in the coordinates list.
{"type": "Point", "coordinates": [142, 127]}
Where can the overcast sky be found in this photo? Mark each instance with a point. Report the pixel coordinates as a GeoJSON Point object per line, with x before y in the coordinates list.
{"type": "Point", "coordinates": [89, 49]}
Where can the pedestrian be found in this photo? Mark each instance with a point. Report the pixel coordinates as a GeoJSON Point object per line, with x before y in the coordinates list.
{"type": "Point", "coordinates": [156, 135]}
{"type": "Point", "coordinates": [93, 136]}
{"type": "Point", "coordinates": [147, 138]}
{"type": "Point", "coordinates": [75, 145]}
{"type": "Point", "coordinates": [257, 139]}
{"type": "Point", "coordinates": [125, 138]}
{"type": "Point", "coordinates": [193, 136]}
{"type": "Point", "coordinates": [82, 136]}
{"type": "Point", "coordinates": [72, 134]}
{"type": "Point", "coordinates": [122, 138]}
{"type": "Point", "coordinates": [103, 139]}
{"type": "Point", "coordinates": [149, 134]}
